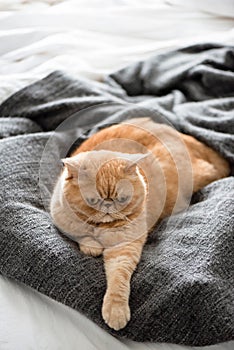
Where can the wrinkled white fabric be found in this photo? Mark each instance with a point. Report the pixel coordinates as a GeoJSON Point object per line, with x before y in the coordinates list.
{"type": "Point", "coordinates": [92, 38]}
{"type": "Point", "coordinates": [219, 8]}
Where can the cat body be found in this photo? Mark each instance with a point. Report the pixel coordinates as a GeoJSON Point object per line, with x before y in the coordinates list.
{"type": "Point", "coordinates": [117, 185]}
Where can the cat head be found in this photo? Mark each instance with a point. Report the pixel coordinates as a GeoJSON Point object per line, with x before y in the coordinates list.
{"type": "Point", "coordinates": [105, 187]}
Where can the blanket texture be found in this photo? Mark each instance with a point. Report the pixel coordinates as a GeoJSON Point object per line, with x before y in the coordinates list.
{"type": "Point", "coordinates": [183, 288]}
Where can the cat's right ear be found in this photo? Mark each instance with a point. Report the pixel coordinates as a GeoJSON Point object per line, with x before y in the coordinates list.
{"type": "Point", "coordinates": [71, 168]}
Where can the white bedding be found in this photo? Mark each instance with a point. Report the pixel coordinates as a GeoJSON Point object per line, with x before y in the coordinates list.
{"type": "Point", "coordinates": [88, 38]}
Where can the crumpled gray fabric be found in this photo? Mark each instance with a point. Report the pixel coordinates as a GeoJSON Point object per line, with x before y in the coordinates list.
{"type": "Point", "coordinates": [183, 289]}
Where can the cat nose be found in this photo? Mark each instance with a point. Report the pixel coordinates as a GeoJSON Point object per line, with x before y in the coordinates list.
{"type": "Point", "coordinates": [107, 205]}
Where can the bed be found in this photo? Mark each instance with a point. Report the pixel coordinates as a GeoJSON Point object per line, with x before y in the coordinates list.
{"type": "Point", "coordinates": [40, 37]}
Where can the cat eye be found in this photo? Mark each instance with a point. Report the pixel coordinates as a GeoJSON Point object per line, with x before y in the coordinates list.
{"type": "Point", "coordinates": [122, 199]}
{"type": "Point", "coordinates": [92, 200]}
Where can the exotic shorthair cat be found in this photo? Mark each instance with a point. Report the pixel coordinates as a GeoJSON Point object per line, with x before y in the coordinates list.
{"type": "Point", "coordinates": [117, 185]}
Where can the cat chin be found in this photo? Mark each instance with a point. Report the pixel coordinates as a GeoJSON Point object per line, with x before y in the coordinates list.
{"type": "Point", "coordinates": [107, 218]}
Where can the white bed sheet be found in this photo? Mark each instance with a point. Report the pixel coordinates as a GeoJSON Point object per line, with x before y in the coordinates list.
{"type": "Point", "coordinates": [95, 37]}
{"type": "Point", "coordinates": [87, 38]}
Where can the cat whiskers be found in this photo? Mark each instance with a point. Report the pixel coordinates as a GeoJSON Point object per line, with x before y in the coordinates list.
{"type": "Point", "coordinates": [120, 216]}
{"type": "Point", "coordinates": [95, 218]}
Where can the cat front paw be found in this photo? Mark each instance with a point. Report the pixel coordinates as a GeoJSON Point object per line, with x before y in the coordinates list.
{"type": "Point", "coordinates": [92, 248]}
{"type": "Point", "coordinates": [115, 312]}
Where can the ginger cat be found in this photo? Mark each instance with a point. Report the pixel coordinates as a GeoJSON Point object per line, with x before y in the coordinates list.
{"type": "Point", "coordinates": [117, 185]}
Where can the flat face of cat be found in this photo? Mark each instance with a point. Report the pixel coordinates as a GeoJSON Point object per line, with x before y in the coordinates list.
{"type": "Point", "coordinates": [104, 187]}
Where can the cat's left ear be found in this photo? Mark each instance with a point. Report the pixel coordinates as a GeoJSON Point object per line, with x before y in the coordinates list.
{"type": "Point", "coordinates": [135, 160]}
{"type": "Point", "coordinates": [71, 167]}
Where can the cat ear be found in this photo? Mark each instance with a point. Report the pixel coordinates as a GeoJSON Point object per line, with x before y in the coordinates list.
{"type": "Point", "coordinates": [135, 159]}
{"type": "Point", "coordinates": [71, 166]}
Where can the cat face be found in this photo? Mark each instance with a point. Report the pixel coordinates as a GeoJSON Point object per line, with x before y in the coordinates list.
{"type": "Point", "coordinates": [104, 187]}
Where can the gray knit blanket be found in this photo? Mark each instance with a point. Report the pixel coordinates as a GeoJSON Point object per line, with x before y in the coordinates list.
{"type": "Point", "coordinates": [183, 288]}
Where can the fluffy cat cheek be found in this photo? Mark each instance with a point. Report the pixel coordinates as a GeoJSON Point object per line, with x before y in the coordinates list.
{"type": "Point", "coordinates": [121, 207]}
